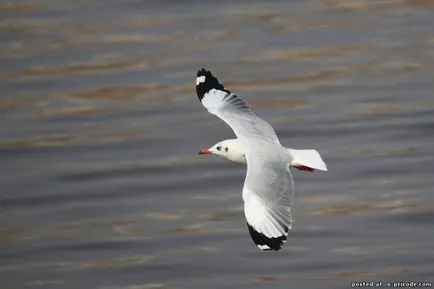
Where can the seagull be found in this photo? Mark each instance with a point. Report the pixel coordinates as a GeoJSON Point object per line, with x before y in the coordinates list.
{"type": "Point", "coordinates": [268, 187]}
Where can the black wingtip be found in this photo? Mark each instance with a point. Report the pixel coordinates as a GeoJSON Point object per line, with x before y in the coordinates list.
{"type": "Point", "coordinates": [265, 243]}
{"type": "Point", "coordinates": [205, 81]}
{"type": "Point", "coordinates": [201, 72]}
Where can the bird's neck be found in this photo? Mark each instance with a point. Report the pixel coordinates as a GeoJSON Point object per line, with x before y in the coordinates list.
{"type": "Point", "coordinates": [237, 158]}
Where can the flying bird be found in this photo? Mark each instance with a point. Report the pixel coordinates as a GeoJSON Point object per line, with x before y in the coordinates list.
{"type": "Point", "coordinates": [268, 187]}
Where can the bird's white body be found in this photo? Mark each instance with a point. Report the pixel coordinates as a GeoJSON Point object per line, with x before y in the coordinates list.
{"type": "Point", "coordinates": [235, 151]}
{"type": "Point", "coordinates": [268, 187]}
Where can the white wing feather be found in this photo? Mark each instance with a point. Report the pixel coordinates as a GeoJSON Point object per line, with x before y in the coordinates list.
{"type": "Point", "coordinates": [267, 194]}
{"type": "Point", "coordinates": [232, 109]}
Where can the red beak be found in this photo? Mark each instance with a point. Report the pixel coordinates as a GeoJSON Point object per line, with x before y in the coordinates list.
{"type": "Point", "coordinates": [204, 152]}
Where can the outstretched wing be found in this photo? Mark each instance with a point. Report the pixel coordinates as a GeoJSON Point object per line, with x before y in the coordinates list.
{"type": "Point", "coordinates": [231, 109]}
{"type": "Point", "coordinates": [267, 194]}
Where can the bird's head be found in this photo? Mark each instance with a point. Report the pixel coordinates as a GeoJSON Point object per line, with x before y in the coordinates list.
{"type": "Point", "coordinates": [230, 149]}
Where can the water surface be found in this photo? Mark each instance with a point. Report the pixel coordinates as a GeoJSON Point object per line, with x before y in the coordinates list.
{"type": "Point", "coordinates": [101, 185]}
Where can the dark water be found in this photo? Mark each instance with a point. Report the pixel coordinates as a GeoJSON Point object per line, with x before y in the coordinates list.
{"type": "Point", "coordinates": [101, 186]}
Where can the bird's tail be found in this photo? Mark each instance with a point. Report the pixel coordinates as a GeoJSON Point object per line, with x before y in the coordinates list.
{"type": "Point", "coordinates": [307, 160]}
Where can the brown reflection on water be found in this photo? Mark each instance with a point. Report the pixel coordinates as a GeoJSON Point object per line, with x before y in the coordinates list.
{"type": "Point", "coordinates": [360, 5]}
{"type": "Point", "coordinates": [114, 263]}
{"type": "Point", "coordinates": [305, 81]}
{"type": "Point", "coordinates": [73, 111]}
{"type": "Point", "coordinates": [385, 206]}
{"type": "Point", "coordinates": [85, 230]}
{"type": "Point", "coordinates": [37, 142]}
{"type": "Point", "coordinates": [91, 264]}
{"type": "Point", "coordinates": [261, 103]}
{"type": "Point", "coordinates": [164, 216]}
{"type": "Point", "coordinates": [370, 272]}
{"type": "Point", "coordinates": [229, 214]}
{"type": "Point", "coordinates": [308, 52]}
{"type": "Point", "coordinates": [82, 68]}
{"type": "Point", "coordinates": [20, 7]}
{"type": "Point", "coordinates": [200, 229]}
{"type": "Point", "coordinates": [118, 92]}
{"type": "Point", "coordinates": [379, 109]}
{"type": "Point", "coordinates": [28, 25]}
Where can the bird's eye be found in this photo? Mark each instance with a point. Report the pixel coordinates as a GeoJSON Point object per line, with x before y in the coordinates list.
{"type": "Point", "coordinates": [219, 148]}
{"type": "Point", "coordinates": [226, 149]}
